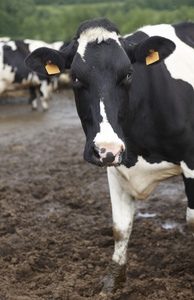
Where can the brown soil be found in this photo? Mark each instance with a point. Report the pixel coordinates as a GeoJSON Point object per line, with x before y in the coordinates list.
{"type": "Point", "coordinates": [56, 235]}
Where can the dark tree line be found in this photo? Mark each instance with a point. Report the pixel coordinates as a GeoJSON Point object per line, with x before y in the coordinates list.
{"type": "Point", "coordinates": [56, 20]}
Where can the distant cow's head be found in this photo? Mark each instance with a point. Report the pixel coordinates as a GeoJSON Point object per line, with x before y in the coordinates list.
{"type": "Point", "coordinates": [101, 69]}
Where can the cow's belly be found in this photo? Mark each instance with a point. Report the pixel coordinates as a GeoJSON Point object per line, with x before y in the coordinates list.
{"type": "Point", "coordinates": [141, 179]}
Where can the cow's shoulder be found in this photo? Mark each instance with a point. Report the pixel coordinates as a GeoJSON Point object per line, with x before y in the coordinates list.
{"type": "Point", "coordinates": [185, 32]}
{"type": "Point", "coordinates": [22, 47]}
{"type": "Point", "coordinates": [15, 46]}
{"type": "Point", "coordinates": [9, 45]}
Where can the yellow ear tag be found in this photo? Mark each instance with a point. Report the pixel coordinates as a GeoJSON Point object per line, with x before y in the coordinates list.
{"type": "Point", "coordinates": [52, 69]}
{"type": "Point", "coordinates": [152, 57]}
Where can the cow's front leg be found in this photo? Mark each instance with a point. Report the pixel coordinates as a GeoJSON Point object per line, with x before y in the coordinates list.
{"type": "Point", "coordinates": [123, 207]}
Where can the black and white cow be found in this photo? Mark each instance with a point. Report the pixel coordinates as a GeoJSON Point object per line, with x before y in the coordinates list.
{"type": "Point", "coordinates": [13, 72]}
{"type": "Point", "coordinates": [135, 99]}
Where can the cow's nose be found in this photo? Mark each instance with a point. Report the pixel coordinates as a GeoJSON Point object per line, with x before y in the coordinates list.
{"type": "Point", "coordinates": [108, 155]}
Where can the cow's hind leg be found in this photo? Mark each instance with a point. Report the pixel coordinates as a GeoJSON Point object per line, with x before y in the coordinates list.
{"type": "Point", "coordinates": [33, 97]}
{"type": "Point", "coordinates": [123, 206]}
{"type": "Point", "coordinates": [45, 92]}
{"type": "Point", "coordinates": [188, 177]}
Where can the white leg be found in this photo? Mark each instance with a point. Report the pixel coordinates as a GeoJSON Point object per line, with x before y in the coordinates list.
{"type": "Point", "coordinates": [45, 90]}
{"type": "Point", "coordinates": [123, 207]}
{"type": "Point", "coordinates": [34, 104]}
{"type": "Point", "coordinates": [44, 103]}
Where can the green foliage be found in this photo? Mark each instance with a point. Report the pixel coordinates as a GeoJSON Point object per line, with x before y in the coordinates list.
{"type": "Point", "coordinates": [54, 20]}
{"type": "Point", "coordinates": [12, 14]}
{"type": "Point", "coordinates": [158, 4]}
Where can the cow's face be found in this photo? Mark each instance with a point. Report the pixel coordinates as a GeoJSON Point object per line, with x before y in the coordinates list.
{"type": "Point", "coordinates": [101, 76]}
{"type": "Point", "coordinates": [101, 71]}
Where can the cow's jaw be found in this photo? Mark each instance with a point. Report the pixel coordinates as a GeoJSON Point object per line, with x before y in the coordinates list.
{"type": "Point", "coordinates": [108, 147]}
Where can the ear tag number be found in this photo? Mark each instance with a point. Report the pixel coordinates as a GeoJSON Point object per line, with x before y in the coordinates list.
{"type": "Point", "coordinates": [51, 69]}
{"type": "Point", "coordinates": [152, 57]}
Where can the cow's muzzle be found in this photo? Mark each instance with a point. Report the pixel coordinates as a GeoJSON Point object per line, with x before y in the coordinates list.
{"type": "Point", "coordinates": [109, 155]}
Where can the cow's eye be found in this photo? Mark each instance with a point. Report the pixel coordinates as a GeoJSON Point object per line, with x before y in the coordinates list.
{"type": "Point", "coordinates": [129, 74]}
{"type": "Point", "coordinates": [74, 78]}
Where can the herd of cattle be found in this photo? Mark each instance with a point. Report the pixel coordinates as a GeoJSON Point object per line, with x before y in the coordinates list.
{"type": "Point", "coordinates": [14, 74]}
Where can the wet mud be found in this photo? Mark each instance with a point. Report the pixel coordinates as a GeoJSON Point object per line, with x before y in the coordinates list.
{"type": "Point", "coordinates": [56, 237]}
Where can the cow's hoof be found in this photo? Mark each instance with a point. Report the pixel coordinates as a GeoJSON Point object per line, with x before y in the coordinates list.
{"type": "Point", "coordinates": [34, 108]}
{"type": "Point", "coordinates": [113, 278]}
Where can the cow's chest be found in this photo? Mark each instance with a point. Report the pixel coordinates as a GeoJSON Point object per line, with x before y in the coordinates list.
{"type": "Point", "coordinates": [141, 179]}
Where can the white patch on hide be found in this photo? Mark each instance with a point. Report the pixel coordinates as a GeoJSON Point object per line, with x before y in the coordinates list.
{"type": "Point", "coordinates": [180, 63]}
{"type": "Point", "coordinates": [56, 45]}
{"type": "Point", "coordinates": [11, 44]}
{"type": "Point", "coordinates": [142, 178]}
{"type": "Point", "coordinates": [7, 76]}
{"type": "Point", "coordinates": [97, 34]}
{"type": "Point", "coordinates": [35, 44]}
{"type": "Point", "coordinates": [186, 171]}
{"type": "Point", "coordinates": [4, 39]}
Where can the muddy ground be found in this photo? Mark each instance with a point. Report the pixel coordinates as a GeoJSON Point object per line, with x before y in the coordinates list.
{"type": "Point", "coordinates": [56, 235]}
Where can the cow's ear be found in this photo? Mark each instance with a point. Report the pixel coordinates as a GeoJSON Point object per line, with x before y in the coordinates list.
{"type": "Point", "coordinates": [46, 61]}
{"type": "Point", "coordinates": [151, 50]}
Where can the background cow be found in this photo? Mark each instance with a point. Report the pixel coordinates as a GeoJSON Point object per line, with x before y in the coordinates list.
{"type": "Point", "coordinates": [14, 74]}
{"type": "Point", "coordinates": [135, 99]}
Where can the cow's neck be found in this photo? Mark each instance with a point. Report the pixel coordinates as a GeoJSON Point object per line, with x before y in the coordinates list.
{"type": "Point", "coordinates": [148, 109]}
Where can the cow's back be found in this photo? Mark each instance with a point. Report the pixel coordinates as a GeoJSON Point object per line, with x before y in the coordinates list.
{"type": "Point", "coordinates": [185, 32]}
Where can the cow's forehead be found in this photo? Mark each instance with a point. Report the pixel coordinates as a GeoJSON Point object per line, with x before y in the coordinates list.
{"type": "Point", "coordinates": [98, 35]}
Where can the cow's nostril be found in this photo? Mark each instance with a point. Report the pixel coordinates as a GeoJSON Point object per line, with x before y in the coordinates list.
{"type": "Point", "coordinates": [102, 150]}
{"type": "Point", "coordinates": [109, 158]}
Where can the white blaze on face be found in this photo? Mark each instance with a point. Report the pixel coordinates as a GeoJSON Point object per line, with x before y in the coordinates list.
{"type": "Point", "coordinates": [98, 34]}
{"type": "Point", "coordinates": [107, 139]}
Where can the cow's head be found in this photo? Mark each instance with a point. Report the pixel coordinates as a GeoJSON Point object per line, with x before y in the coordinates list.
{"type": "Point", "coordinates": [101, 69]}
